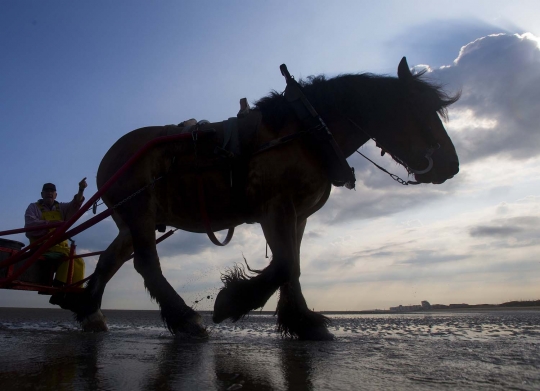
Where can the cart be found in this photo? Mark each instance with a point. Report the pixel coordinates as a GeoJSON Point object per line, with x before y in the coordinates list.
{"type": "Point", "coordinates": [24, 267]}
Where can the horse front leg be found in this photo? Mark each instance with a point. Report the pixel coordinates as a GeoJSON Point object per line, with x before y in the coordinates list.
{"type": "Point", "coordinates": [178, 317]}
{"type": "Point", "coordinates": [294, 318]}
{"type": "Point", "coordinates": [242, 293]}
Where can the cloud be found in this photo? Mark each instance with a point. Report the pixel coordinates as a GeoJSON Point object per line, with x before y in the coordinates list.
{"type": "Point", "coordinates": [366, 204]}
{"type": "Point", "coordinates": [431, 257]}
{"type": "Point", "coordinates": [466, 247]}
{"type": "Point", "coordinates": [499, 110]}
{"type": "Point", "coordinates": [440, 40]}
{"type": "Point", "coordinates": [97, 237]}
{"type": "Point", "coordinates": [483, 230]}
{"type": "Point", "coordinates": [510, 232]}
{"type": "Point", "coordinates": [182, 242]}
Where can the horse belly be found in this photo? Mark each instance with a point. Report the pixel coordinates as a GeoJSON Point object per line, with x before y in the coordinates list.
{"type": "Point", "coordinates": [182, 201]}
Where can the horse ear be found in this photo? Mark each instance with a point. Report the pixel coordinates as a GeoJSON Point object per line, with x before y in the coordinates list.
{"type": "Point", "coordinates": [403, 71]}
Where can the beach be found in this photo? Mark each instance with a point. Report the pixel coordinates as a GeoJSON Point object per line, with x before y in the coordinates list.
{"type": "Point", "coordinates": [44, 349]}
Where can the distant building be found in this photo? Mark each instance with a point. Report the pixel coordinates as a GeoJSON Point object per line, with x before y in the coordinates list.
{"type": "Point", "coordinates": [403, 308]}
{"type": "Point", "coordinates": [425, 306]}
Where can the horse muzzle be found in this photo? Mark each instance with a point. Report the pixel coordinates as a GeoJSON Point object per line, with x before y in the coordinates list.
{"type": "Point", "coordinates": [440, 172]}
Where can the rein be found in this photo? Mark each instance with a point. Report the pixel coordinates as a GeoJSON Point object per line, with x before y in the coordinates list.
{"type": "Point", "coordinates": [393, 176]}
{"type": "Point", "coordinates": [427, 155]}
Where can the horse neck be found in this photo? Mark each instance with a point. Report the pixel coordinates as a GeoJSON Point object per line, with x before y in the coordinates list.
{"type": "Point", "coordinates": [347, 136]}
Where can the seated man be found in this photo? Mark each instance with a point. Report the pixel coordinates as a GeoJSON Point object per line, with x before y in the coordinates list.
{"type": "Point", "coordinates": [48, 210]}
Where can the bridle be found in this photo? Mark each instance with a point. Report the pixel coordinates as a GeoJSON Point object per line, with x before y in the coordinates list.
{"type": "Point", "coordinates": [428, 155]}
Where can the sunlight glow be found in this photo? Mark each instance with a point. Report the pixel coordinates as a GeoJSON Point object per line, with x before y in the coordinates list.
{"type": "Point", "coordinates": [531, 37]}
{"type": "Point", "coordinates": [467, 120]}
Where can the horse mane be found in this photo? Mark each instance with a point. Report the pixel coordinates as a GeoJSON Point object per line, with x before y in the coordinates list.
{"type": "Point", "coordinates": [374, 95]}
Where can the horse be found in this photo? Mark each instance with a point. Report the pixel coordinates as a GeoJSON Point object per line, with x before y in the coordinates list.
{"type": "Point", "coordinates": [277, 187]}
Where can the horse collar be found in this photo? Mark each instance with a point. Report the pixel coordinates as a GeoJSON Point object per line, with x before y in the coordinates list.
{"type": "Point", "coordinates": [341, 174]}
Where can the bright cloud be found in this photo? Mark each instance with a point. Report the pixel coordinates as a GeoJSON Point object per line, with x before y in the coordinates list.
{"type": "Point", "coordinates": [499, 109]}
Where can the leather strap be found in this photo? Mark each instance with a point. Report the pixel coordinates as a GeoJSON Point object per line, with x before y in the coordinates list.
{"type": "Point", "coordinates": [206, 219]}
{"type": "Point", "coordinates": [341, 174]}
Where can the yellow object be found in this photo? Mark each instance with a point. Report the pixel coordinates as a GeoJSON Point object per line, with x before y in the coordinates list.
{"type": "Point", "coordinates": [78, 271]}
{"type": "Point", "coordinates": [62, 248]}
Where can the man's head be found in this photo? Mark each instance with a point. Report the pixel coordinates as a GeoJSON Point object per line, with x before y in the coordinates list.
{"type": "Point", "coordinates": [48, 193]}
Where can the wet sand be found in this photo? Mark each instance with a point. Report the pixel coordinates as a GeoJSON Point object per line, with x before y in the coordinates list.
{"type": "Point", "coordinates": [43, 349]}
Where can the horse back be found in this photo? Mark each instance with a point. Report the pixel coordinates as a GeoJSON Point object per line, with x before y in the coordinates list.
{"type": "Point", "coordinates": [219, 157]}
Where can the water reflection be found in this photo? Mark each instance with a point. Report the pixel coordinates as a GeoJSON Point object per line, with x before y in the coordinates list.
{"type": "Point", "coordinates": [234, 364]}
{"type": "Point", "coordinates": [242, 366]}
{"type": "Point", "coordinates": [181, 365]}
{"type": "Point", "coordinates": [64, 362]}
{"type": "Point", "coordinates": [296, 364]}
{"type": "Point", "coordinates": [282, 365]}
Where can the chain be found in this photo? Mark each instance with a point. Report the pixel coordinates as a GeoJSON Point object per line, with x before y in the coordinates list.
{"type": "Point", "coordinates": [136, 193]}
{"type": "Point", "coordinates": [393, 176]}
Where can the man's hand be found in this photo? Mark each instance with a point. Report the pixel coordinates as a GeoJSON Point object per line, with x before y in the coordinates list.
{"type": "Point", "coordinates": [82, 184]}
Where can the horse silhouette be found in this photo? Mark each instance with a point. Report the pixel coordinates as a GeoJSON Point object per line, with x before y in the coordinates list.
{"type": "Point", "coordinates": [279, 179]}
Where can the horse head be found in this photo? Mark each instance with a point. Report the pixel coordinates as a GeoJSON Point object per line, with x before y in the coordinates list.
{"type": "Point", "coordinates": [416, 137]}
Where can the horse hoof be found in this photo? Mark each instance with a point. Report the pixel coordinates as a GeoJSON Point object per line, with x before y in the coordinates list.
{"type": "Point", "coordinates": [236, 301]}
{"type": "Point", "coordinates": [95, 322]}
{"type": "Point", "coordinates": [194, 329]}
{"type": "Point", "coordinates": [221, 308]}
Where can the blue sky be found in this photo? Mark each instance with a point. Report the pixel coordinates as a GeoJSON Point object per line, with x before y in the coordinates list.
{"type": "Point", "coordinates": [76, 76]}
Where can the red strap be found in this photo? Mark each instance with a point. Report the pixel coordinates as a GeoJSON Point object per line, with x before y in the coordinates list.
{"type": "Point", "coordinates": [206, 219]}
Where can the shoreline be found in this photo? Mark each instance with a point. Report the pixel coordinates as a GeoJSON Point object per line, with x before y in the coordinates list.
{"type": "Point", "coordinates": [435, 311]}
{"type": "Point", "coordinates": [490, 308]}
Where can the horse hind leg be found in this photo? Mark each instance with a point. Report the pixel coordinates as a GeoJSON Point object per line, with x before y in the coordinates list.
{"type": "Point", "coordinates": [178, 317]}
{"type": "Point", "coordinates": [294, 318]}
{"type": "Point", "coordinates": [86, 306]}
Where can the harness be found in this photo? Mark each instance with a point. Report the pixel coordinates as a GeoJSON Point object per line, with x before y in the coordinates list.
{"type": "Point", "coordinates": [341, 174]}
{"type": "Point", "coordinates": [410, 170]}
{"type": "Point", "coordinates": [339, 171]}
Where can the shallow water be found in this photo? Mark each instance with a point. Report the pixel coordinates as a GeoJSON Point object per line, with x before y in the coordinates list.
{"type": "Point", "coordinates": [44, 349]}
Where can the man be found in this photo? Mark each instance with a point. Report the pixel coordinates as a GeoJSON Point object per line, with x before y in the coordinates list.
{"type": "Point", "coordinates": [47, 210]}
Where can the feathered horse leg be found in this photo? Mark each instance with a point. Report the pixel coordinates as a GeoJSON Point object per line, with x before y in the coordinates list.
{"type": "Point", "coordinates": [294, 318]}
{"type": "Point", "coordinates": [179, 318]}
{"type": "Point", "coordinates": [241, 292]}
{"type": "Point", "coordinates": [139, 217]}
{"type": "Point", "coordinates": [86, 306]}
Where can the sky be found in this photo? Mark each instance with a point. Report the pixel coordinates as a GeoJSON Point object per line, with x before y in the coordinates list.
{"type": "Point", "coordinates": [76, 76]}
